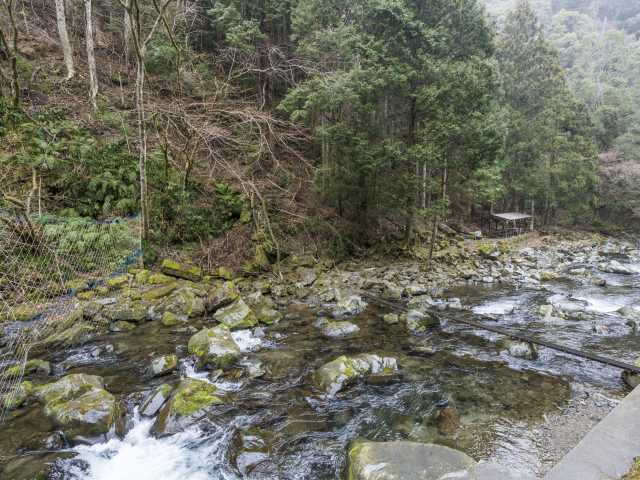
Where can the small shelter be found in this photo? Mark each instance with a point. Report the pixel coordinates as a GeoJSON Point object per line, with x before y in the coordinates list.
{"type": "Point", "coordinates": [508, 224]}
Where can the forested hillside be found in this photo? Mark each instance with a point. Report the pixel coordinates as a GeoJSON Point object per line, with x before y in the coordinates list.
{"type": "Point", "coordinates": [346, 122]}
{"type": "Point", "coordinates": [599, 46]}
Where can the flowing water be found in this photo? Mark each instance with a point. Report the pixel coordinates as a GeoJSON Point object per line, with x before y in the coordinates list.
{"type": "Point", "coordinates": [275, 425]}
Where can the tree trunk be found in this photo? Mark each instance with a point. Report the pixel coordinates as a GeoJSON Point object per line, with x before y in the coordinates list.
{"type": "Point", "coordinates": [91, 59]}
{"type": "Point", "coordinates": [12, 51]}
{"type": "Point", "coordinates": [127, 37]}
{"type": "Point", "coordinates": [61, 18]}
{"type": "Point", "coordinates": [142, 145]}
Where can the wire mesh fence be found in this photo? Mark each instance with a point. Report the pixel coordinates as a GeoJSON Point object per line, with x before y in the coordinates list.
{"type": "Point", "coordinates": [47, 264]}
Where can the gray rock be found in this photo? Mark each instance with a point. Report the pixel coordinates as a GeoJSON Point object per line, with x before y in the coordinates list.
{"type": "Point", "coordinates": [615, 267]}
{"type": "Point", "coordinates": [402, 460]}
{"type": "Point", "coordinates": [338, 373]}
{"type": "Point", "coordinates": [339, 329]}
{"type": "Point", "coordinates": [237, 315]}
{"type": "Point", "coordinates": [155, 400]}
{"type": "Point", "coordinates": [419, 322]}
{"type": "Point", "coordinates": [162, 365]}
{"type": "Point", "coordinates": [214, 347]}
{"type": "Point", "coordinates": [349, 305]}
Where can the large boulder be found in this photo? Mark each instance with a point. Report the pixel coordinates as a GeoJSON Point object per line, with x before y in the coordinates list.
{"type": "Point", "coordinates": [126, 311]}
{"type": "Point", "coordinates": [185, 302]}
{"type": "Point", "coordinates": [632, 379]}
{"type": "Point", "coordinates": [181, 270]}
{"type": "Point", "coordinates": [159, 291]}
{"type": "Point", "coordinates": [401, 460]}
{"type": "Point", "coordinates": [79, 404]}
{"type": "Point", "coordinates": [342, 371]}
{"type": "Point", "coordinates": [189, 401]}
{"type": "Point", "coordinates": [221, 295]}
{"type": "Point", "coordinates": [236, 316]}
{"type": "Point", "coordinates": [214, 347]}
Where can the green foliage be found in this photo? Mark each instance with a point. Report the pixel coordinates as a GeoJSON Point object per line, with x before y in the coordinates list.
{"type": "Point", "coordinates": [403, 85]}
{"type": "Point", "coordinates": [78, 172]}
{"type": "Point", "coordinates": [161, 57]}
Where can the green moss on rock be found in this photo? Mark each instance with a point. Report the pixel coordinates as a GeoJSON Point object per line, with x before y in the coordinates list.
{"type": "Point", "coordinates": [180, 270]}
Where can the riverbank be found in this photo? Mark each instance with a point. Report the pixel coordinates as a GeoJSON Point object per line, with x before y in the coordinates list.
{"type": "Point", "coordinates": [276, 376]}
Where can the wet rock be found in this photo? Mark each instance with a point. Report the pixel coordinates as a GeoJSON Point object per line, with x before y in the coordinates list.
{"type": "Point", "coordinates": [181, 270]}
{"type": "Point", "coordinates": [221, 295]}
{"type": "Point", "coordinates": [349, 305]}
{"type": "Point", "coordinates": [419, 322]}
{"type": "Point", "coordinates": [391, 292]}
{"type": "Point", "coordinates": [121, 326]}
{"type": "Point", "coordinates": [77, 334]}
{"type": "Point", "coordinates": [631, 312]}
{"type": "Point", "coordinates": [32, 368]}
{"type": "Point", "coordinates": [162, 365]}
{"type": "Point", "coordinates": [391, 318]}
{"type": "Point", "coordinates": [545, 311]}
{"type": "Point", "coordinates": [189, 401]}
{"type": "Point", "coordinates": [521, 349]}
{"type": "Point", "coordinates": [402, 460]}
{"type": "Point", "coordinates": [236, 316]}
{"type": "Point", "coordinates": [335, 375]}
{"type": "Point", "coordinates": [214, 347]}
{"type": "Point", "coordinates": [155, 400]}
{"type": "Point", "coordinates": [599, 282]}
{"type": "Point", "coordinates": [224, 273]}
{"type": "Point", "coordinates": [253, 367]}
{"type": "Point", "coordinates": [18, 396]}
{"type": "Point", "coordinates": [548, 276]}
{"type": "Point", "coordinates": [170, 319]}
{"type": "Point", "coordinates": [632, 380]}
{"type": "Point", "coordinates": [447, 420]}
{"type": "Point", "coordinates": [339, 329]}
{"type": "Point", "coordinates": [615, 267]}
{"type": "Point", "coordinates": [79, 404]}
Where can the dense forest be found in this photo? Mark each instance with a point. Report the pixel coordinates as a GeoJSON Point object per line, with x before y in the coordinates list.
{"type": "Point", "coordinates": [319, 239]}
{"type": "Point", "coordinates": [345, 121]}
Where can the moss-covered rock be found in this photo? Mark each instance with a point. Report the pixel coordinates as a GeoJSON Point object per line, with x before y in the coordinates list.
{"type": "Point", "coordinates": [189, 400]}
{"type": "Point", "coordinates": [19, 396]}
{"type": "Point", "coordinates": [126, 311]}
{"type": "Point", "coordinates": [79, 404]}
{"type": "Point", "coordinates": [160, 291]}
{"type": "Point", "coordinates": [224, 273]}
{"type": "Point", "coordinates": [181, 270]}
{"type": "Point", "coordinates": [21, 313]}
{"type": "Point", "coordinates": [221, 295]}
{"type": "Point", "coordinates": [186, 302]}
{"type": "Point", "coordinates": [402, 460]}
{"type": "Point", "coordinates": [339, 329]}
{"type": "Point", "coordinates": [121, 326]}
{"type": "Point", "coordinates": [267, 315]}
{"type": "Point", "coordinates": [236, 316]}
{"type": "Point", "coordinates": [214, 347]}
{"type": "Point", "coordinates": [86, 295]}
{"type": "Point", "coordinates": [419, 322]}
{"type": "Point", "coordinates": [162, 365]}
{"type": "Point", "coordinates": [170, 319]}
{"type": "Point", "coordinates": [342, 371]}
{"type": "Point", "coordinates": [159, 279]}
{"type": "Point", "coordinates": [118, 282]}
{"type": "Point", "coordinates": [77, 334]}
{"type": "Point", "coordinates": [77, 285]}
{"type": "Point", "coordinates": [33, 367]}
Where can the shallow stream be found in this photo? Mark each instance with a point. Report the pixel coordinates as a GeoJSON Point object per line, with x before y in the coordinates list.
{"type": "Point", "coordinates": [277, 426]}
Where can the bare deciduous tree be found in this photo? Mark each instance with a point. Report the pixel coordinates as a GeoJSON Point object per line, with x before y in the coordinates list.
{"type": "Point", "coordinates": [91, 58]}
{"type": "Point", "coordinates": [61, 19]}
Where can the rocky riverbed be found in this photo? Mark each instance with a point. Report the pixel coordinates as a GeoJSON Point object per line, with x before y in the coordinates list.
{"type": "Point", "coordinates": [184, 374]}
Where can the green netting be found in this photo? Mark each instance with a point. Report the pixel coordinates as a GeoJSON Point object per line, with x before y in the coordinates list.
{"type": "Point", "coordinates": [44, 262]}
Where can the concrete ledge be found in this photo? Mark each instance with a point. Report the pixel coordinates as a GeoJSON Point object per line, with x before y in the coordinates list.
{"type": "Point", "coordinates": [608, 450]}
